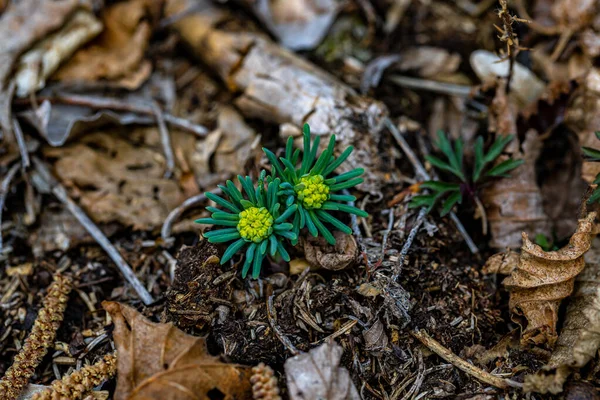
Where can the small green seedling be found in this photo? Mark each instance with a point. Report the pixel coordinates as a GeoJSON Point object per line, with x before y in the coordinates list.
{"type": "Point", "coordinates": [257, 219]}
{"type": "Point", "coordinates": [254, 222]}
{"type": "Point", "coordinates": [594, 156]}
{"type": "Point", "coordinates": [453, 193]}
{"type": "Point", "coordinates": [312, 185]}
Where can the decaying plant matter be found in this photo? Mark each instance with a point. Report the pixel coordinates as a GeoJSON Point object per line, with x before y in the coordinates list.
{"type": "Point", "coordinates": [158, 361]}
{"type": "Point", "coordinates": [75, 385]}
{"type": "Point", "coordinates": [579, 338]}
{"type": "Point", "coordinates": [39, 340]}
{"type": "Point", "coordinates": [264, 383]}
{"type": "Point", "coordinates": [542, 279]}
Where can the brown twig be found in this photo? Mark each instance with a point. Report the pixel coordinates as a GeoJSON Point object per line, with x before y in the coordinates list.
{"type": "Point", "coordinates": [39, 340]}
{"type": "Point", "coordinates": [461, 364]}
{"type": "Point", "coordinates": [78, 383]}
{"type": "Point", "coordinates": [18, 132]}
{"type": "Point", "coordinates": [61, 194]}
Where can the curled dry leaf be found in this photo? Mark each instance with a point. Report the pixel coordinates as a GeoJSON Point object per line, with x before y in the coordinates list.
{"type": "Point", "coordinates": [320, 254]}
{"type": "Point", "coordinates": [37, 64]}
{"type": "Point", "coordinates": [375, 337]}
{"type": "Point", "coordinates": [118, 53]}
{"type": "Point", "coordinates": [158, 361]}
{"type": "Point", "coordinates": [116, 181]}
{"type": "Point", "coordinates": [298, 24]}
{"type": "Point", "coordinates": [280, 87]}
{"type": "Point", "coordinates": [317, 375]}
{"type": "Point", "coordinates": [542, 279]}
{"type": "Point", "coordinates": [502, 263]}
{"type": "Point", "coordinates": [579, 338]}
{"type": "Point", "coordinates": [515, 204]}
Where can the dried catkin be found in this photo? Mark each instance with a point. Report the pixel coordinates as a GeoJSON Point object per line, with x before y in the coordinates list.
{"type": "Point", "coordinates": [264, 383]}
{"type": "Point", "coordinates": [37, 343]}
{"type": "Point", "coordinates": [78, 383]}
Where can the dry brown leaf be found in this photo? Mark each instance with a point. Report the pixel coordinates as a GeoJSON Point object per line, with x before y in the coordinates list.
{"type": "Point", "coordinates": [317, 375]}
{"type": "Point", "coordinates": [118, 53]}
{"type": "Point", "coordinates": [320, 254]}
{"type": "Point", "coordinates": [22, 25]}
{"type": "Point", "coordinates": [542, 279]}
{"type": "Point", "coordinates": [502, 263]}
{"type": "Point", "coordinates": [579, 338]}
{"type": "Point", "coordinates": [116, 181]}
{"type": "Point", "coordinates": [159, 361]}
{"type": "Point", "coordinates": [234, 148]}
{"type": "Point", "coordinates": [515, 205]}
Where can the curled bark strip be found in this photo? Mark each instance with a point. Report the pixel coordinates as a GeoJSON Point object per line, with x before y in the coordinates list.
{"type": "Point", "coordinates": [542, 279]}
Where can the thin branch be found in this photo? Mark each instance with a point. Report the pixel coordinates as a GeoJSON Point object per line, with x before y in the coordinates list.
{"type": "Point", "coordinates": [98, 102]}
{"type": "Point", "coordinates": [273, 322]}
{"type": "Point", "coordinates": [409, 241]}
{"type": "Point", "coordinates": [61, 194]}
{"type": "Point", "coordinates": [178, 211]}
{"type": "Point", "coordinates": [463, 365]}
{"type": "Point", "coordinates": [433, 86]}
{"type": "Point", "coordinates": [420, 170]}
{"type": "Point", "coordinates": [4, 188]}
{"type": "Point", "coordinates": [165, 140]}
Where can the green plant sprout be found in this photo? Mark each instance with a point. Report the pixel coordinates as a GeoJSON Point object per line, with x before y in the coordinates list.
{"type": "Point", "coordinates": [312, 186]}
{"type": "Point", "coordinates": [469, 184]}
{"type": "Point", "coordinates": [253, 221]}
{"type": "Point", "coordinates": [594, 156]}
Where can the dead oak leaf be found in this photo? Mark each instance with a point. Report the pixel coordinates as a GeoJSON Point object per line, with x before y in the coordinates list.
{"type": "Point", "coordinates": [542, 279]}
{"type": "Point", "coordinates": [579, 338]}
{"type": "Point", "coordinates": [317, 375]}
{"type": "Point", "coordinates": [320, 254]}
{"type": "Point", "coordinates": [159, 361]}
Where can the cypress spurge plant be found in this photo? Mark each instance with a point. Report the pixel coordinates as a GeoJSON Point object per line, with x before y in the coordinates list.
{"type": "Point", "coordinates": [252, 221]}
{"type": "Point", "coordinates": [468, 185]}
{"type": "Point", "coordinates": [593, 155]}
{"type": "Point", "coordinates": [311, 185]}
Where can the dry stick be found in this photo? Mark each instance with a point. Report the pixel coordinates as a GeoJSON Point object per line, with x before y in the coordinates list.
{"type": "Point", "coordinates": [61, 194]}
{"type": "Point", "coordinates": [177, 212]}
{"type": "Point", "coordinates": [4, 187]}
{"type": "Point", "coordinates": [39, 339]}
{"type": "Point", "coordinates": [165, 140]}
{"type": "Point", "coordinates": [424, 175]}
{"type": "Point", "coordinates": [18, 132]}
{"type": "Point", "coordinates": [434, 86]}
{"type": "Point", "coordinates": [98, 102]}
{"type": "Point", "coordinates": [411, 237]}
{"type": "Point", "coordinates": [387, 232]}
{"type": "Point", "coordinates": [463, 365]}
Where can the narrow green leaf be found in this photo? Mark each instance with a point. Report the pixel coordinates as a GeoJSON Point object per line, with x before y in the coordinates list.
{"type": "Point", "coordinates": [232, 250]}
{"type": "Point", "coordinates": [330, 205]}
{"type": "Point", "coordinates": [339, 225]}
{"type": "Point", "coordinates": [436, 162]}
{"type": "Point", "coordinates": [286, 214]}
{"type": "Point", "coordinates": [288, 235]}
{"type": "Point", "coordinates": [312, 228]}
{"type": "Point", "coordinates": [274, 162]}
{"type": "Point", "coordinates": [591, 154]}
{"type": "Point", "coordinates": [219, 232]}
{"type": "Point", "coordinates": [249, 258]}
{"type": "Point", "coordinates": [247, 204]}
{"type": "Point", "coordinates": [258, 259]}
{"type": "Point", "coordinates": [597, 133]}
{"type": "Point", "coordinates": [440, 186]}
{"type": "Point", "coordinates": [346, 184]}
{"type": "Point", "coordinates": [458, 152]}
{"type": "Point", "coordinates": [349, 175]}
{"type": "Point", "coordinates": [272, 245]}
{"type": "Point", "coordinates": [497, 148]}
{"type": "Point", "coordinates": [321, 163]}
{"type": "Point", "coordinates": [291, 172]}
{"type": "Point", "coordinates": [450, 202]}
{"type": "Point", "coordinates": [324, 231]}
{"type": "Point", "coordinates": [306, 153]}
{"type": "Point", "coordinates": [212, 221]}
{"type": "Point", "coordinates": [424, 200]}
{"type": "Point", "coordinates": [342, 197]}
{"type": "Point", "coordinates": [504, 167]}
{"type": "Point", "coordinates": [289, 148]}
{"type": "Point", "coordinates": [224, 238]}
{"type": "Point", "coordinates": [234, 193]}
{"type": "Point", "coordinates": [314, 147]}
{"type": "Point", "coordinates": [595, 196]}
{"type": "Point", "coordinates": [222, 202]}
{"type": "Point", "coordinates": [352, 210]}
{"type": "Point", "coordinates": [338, 161]}
{"type": "Point", "coordinates": [283, 252]}
{"type": "Point", "coordinates": [286, 226]}
{"type": "Point", "coordinates": [248, 188]}
{"type": "Point", "coordinates": [225, 216]}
